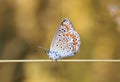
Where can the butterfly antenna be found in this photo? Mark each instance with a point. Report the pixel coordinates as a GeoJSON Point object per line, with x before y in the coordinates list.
{"type": "Point", "coordinates": [46, 50]}
{"type": "Point", "coordinates": [41, 49]}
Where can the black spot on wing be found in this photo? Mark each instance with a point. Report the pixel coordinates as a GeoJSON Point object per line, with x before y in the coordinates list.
{"type": "Point", "coordinates": [64, 20]}
{"type": "Point", "coordinates": [59, 35]}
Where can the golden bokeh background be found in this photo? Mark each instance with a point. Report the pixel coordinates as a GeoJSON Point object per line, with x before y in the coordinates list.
{"type": "Point", "coordinates": [26, 24]}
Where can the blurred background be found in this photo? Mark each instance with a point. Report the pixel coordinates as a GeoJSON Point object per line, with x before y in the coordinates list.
{"type": "Point", "coordinates": [26, 24]}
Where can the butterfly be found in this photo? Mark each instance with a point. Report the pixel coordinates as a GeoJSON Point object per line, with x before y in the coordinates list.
{"type": "Point", "coordinates": [66, 41]}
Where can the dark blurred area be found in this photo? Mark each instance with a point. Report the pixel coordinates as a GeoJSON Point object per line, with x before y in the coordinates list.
{"type": "Point", "coordinates": [27, 24]}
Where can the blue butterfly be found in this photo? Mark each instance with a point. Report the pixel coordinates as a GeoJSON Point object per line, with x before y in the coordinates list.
{"type": "Point", "coordinates": [65, 43]}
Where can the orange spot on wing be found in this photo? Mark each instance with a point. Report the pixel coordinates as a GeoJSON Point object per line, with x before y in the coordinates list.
{"type": "Point", "coordinates": [67, 27]}
{"type": "Point", "coordinates": [74, 40]}
{"type": "Point", "coordinates": [67, 34]}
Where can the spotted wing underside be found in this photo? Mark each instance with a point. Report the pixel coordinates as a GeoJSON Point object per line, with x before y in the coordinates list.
{"type": "Point", "coordinates": [66, 40]}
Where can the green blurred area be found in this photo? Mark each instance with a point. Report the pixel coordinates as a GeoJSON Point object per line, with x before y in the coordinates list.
{"type": "Point", "coordinates": [26, 24]}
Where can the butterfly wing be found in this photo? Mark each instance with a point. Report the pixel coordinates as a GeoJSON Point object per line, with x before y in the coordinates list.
{"type": "Point", "coordinates": [66, 40]}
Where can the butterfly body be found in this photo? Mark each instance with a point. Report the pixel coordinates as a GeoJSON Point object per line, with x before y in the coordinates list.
{"type": "Point", "coordinates": [66, 41]}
